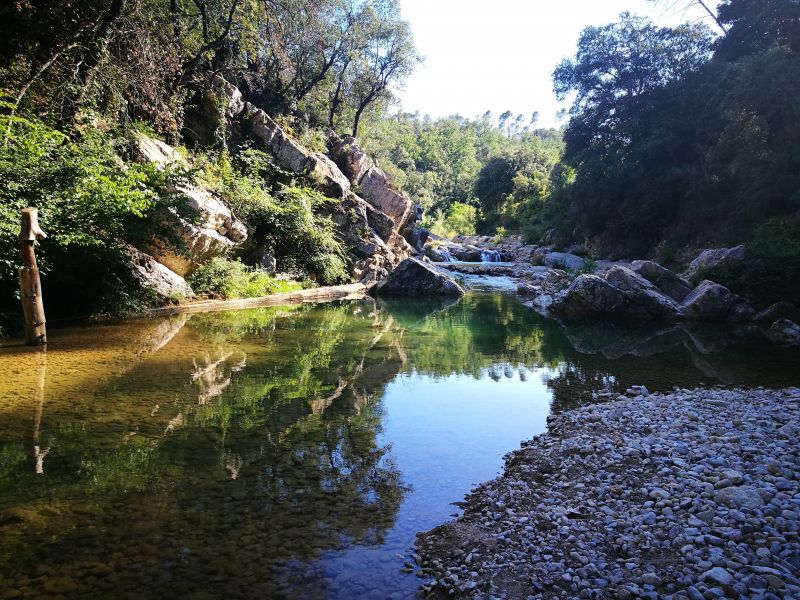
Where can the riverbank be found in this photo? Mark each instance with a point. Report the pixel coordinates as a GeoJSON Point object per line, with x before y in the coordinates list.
{"type": "Point", "coordinates": [319, 294]}
{"type": "Point", "coordinates": [691, 494]}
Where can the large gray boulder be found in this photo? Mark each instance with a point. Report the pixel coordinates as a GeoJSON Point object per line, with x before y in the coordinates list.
{"type": "Point", "coordinates": [378, 191]}
{"type": "Point", "coordinates": [709, 301]}
{"type": "Point", "coordinates": [563, 260]}
{"type": "Point", "coordinates": [644, 299]}
{"type": "Point", "coordinates": [155, 277]}
{"type": "Point", "coordinates": [413, 277]}
{"type": "Point", "coordinates": [713, 258]}
{"type": "Point", "coordinates": [669, 282]}
{"type": "Point", "coordinates": [351, 159]}
{"type": "Point", "coordinates": [590, 295]}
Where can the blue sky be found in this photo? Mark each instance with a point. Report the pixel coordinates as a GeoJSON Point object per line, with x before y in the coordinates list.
{"type": "Point", "coordinates": [498, 54]}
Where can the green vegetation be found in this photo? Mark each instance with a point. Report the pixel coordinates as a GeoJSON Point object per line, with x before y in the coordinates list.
{"type": "Point", "coordinates": [224, 278]}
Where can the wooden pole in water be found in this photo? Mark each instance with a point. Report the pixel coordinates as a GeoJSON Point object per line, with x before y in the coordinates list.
{"type": "Point", "coordinates": [30, 284]}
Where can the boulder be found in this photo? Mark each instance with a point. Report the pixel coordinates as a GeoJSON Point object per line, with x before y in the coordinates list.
{"type": "Point", "coordinates": [709, 301]}
{"type": "Point", "coordinates": [590, 295]}
{"type": "Point", "coordinates": [351, 159]}
{"type": "Point", "coordinates": [669, 282]}
{"type": "Point", "coordinates": [378, 191]}
{"type": "Point", "coordinates": [418, 237]}
{"type": "Point", "coordinates": [414, 277]}
{"type": "Point", "coordinates": [214, 232]}
{"type": "Point", "coordinates": [563, 260]}
{"type": "Point", "coordinates": [784, 331]}
{"type": "Point", "coordinates": [645, 300]}
{"type": "Point", "coordinates": [154, 276]}
{"type": "Point", "coordinates": [779, 310]}
{"type": "Point", "coordinates": [713, 258]}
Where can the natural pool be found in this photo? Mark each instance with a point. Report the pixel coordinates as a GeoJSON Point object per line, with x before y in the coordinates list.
{"type": "Point", "coordinates": [295, 451]}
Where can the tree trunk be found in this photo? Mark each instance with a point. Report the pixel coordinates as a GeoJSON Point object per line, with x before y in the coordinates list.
{"type": "Point", "coordinates": [29, 282]}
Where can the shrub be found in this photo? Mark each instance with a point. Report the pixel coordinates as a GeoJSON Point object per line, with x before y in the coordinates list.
{"type": "Point", "coordinates": [227, 278]}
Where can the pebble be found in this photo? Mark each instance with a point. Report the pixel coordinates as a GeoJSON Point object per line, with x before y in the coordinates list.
{"type": "Point", "coordinates": [693, 494]}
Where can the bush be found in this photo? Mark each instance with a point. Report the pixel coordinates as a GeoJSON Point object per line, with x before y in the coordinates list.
{"type": "Point", "coordinates": [459, 219]}
{"type": "Point", "coordinates": [225, 278]}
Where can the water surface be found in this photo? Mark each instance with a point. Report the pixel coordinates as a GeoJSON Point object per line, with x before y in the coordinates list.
{"type": "Point", "coordinates": [295, 451]}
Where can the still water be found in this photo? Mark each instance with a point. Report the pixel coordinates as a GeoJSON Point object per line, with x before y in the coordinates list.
{"type": "Point", "coordinates": [294, 452]}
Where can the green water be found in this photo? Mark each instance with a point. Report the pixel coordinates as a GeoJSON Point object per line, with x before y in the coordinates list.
{"type": "Point", "coordinates": [294, 452]}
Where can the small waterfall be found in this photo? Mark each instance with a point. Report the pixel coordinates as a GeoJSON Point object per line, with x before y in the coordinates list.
{"type": "Point", "coordinates": [447, 256]}
{"type": "Point", "coordinates": [490, 256]}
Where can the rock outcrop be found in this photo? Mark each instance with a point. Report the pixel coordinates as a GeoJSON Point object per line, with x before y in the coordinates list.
{"type": "Point", "coordinates": [371, 226]}
{"type": "Point", "coordinates": [644, 299]}
{"type": "Point", "coordinates": [668, 282]}
{"type": "Point", "coordinates": [155, 277]}
{"type": "Point", "coordinates": [413, 277]}
{"type": "Point", "coordinates": [214, 232]}
{"type": "Point", "coordinates": [714, 258]}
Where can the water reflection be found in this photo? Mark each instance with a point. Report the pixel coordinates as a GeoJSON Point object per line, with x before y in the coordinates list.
{"type": "Point", "coordinates": [294, 451]}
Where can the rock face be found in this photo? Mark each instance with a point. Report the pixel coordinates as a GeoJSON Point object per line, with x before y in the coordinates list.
{"type": "Point", "coordinates": [645, 300]}
{"type": "Point", "coordinates": [216, 231]}
{"type": "Point", "coordinates": [413, 277]}
{"type": "Point", "coordinates": [563, 260]}
{"type": "Point", "coordinates": [154, 276]}
{"type": "Point", "coordinates": [590, 295]}
{"type": "Point", "coordinates": [709, 301]}
{"type": "Point", "coordinates": [713, 258]}
{"type": "Point", "coordinates": [371, 226]}
{"type": "Point", "coordinates": [374, 182]}
{"type": "Point", "coordinates": [668, 282]}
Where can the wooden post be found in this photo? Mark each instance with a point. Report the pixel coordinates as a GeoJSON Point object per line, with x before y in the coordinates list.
{"type": "Point", "coordinates": [30, 284]}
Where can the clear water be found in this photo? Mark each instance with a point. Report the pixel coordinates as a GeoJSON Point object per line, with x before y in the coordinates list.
{"type": "Point", "coordinates": [294, 452]}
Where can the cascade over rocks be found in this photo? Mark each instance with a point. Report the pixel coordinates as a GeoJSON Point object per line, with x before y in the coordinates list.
{"type": "Point", "coordinates": [413, 277]}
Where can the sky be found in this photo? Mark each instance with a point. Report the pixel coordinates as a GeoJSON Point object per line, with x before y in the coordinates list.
{"type": "Point", "coordinates": [498, 55]}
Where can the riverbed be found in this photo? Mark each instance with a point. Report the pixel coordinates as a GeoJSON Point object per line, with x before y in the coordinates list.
{"type": "Point", "coordinates": [295, 451]}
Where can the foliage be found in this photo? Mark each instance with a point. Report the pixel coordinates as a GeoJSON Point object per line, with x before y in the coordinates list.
{"type": "Point", "coordinates": [225, 278]}
{"type": "Point", "coordinates": [87, 205]}
{"type": "Point", "coordinates": [459, 219]}
{"type": "Point", "coordinates": [670, 143]}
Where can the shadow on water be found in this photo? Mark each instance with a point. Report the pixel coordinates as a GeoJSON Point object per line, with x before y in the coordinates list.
{"type": "Point", "coordinates": [251, 453]}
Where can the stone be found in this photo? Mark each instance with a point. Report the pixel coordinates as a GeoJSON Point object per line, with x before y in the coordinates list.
{"type": "Point", "coordinates": [418, 237]}
{"type": "Point", "coordinates": [645, 300]}
{"type": "Point", "coordinates": [779, 310]}
{"type": "Point", "coordinates": [739, 497]}
{"type": "Point", "coordinates": [786, 332]}
{"type": "Point", "coordinates": [413, 277]}
{"type": "Point", "coordinates": [589, 295]}
{"type": "Point", "coordinates": [378, 191]}
{"type": "Point", "coordinates": [563, 260]}
{"type": "Point", "coordinates": [668, 282]}
{"type": "Point", "coordinates": [351, 159]}
{"type": "Point", "coordinates": [157, 278]}
{"type": "Point", "coordinates": [717, 575]}
{"type": "Point", "coordinates": [215, 230]}
{"type": "Point", "coordinates": [709, 301]}
{"type": "Point", "coordinates": [714, 258]}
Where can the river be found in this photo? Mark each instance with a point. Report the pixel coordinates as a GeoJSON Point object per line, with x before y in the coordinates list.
{"type": "Point", "coordinates": [295, 451]}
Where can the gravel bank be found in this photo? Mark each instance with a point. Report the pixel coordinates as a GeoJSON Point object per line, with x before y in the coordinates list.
{"type": "Point", "coordinates": [693, 494]}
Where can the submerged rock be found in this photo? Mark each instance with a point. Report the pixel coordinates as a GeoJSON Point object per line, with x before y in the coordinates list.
{"type": "Point", "coordinates": [413, 277]}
